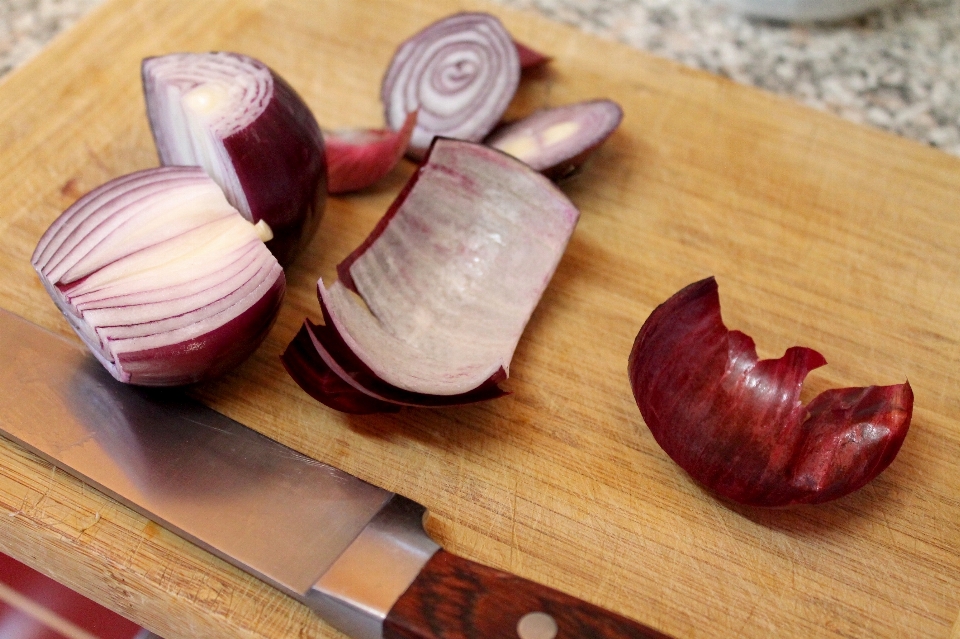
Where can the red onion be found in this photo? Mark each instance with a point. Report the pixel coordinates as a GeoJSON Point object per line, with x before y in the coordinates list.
{"type": "Point", "coordinates": [736, 424]}
{"type": "Point", "coordinates": [558, 141]}
{"type": "Point", "coordinates": [357, 159]}
{"type": "Point", "coordinates": [460, 73]}
{"type": "Point", "coordinates": [249, 130]}
{"type": "Point", "coordinates": [429, 309]}
{"type": "Point", "coordinates": [161, 277]}
{"type": "Point", "coordinates": [530, 58]}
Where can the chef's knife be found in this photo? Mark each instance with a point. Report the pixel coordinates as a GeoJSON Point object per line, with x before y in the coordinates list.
{"type": "Point", "coordinates": [354, 553]}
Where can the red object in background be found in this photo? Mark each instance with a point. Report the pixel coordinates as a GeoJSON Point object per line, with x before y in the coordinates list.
{"type": "Point", "coordinates": [33, 606]}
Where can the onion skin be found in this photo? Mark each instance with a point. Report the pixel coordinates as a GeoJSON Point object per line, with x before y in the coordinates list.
{"type": "Point", "coordinates": [304, 364]}
{"type": "Point", "coordinates": [286, 178]}
{"type": "Point", "coordinates": [460, 73]}
{"type": "Point", "coordinates": [736, 424]}
{"type": "Point", "coordinates": [279, 157]}
{"type": "Point", "coordinates": [358, 159]}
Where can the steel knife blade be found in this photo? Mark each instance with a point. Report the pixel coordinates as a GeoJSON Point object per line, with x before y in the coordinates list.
{"type": "Point", "coordinates": [354, 553]}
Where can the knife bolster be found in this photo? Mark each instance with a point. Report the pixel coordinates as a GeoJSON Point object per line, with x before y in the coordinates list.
{"type": "Point", "coordinates": [355, 594]}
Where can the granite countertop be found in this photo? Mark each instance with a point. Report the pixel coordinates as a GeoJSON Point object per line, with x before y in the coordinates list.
{"type": "Point", "coordinates": [897, 69]}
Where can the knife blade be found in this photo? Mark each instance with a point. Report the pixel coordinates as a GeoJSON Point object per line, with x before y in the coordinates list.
{"type": "Point", "coordinates": [354, 553]}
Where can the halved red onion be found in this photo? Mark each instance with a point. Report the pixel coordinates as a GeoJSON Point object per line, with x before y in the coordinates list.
{"type": "Point", "coordinates": [530, 58]}
{"type": "Point", "coordinates": [358, 158]}
{"type": "Point", "coordinates": [558, 141]}
{"type": "Point", "coordinates": [460, 73]}
{"type": "Point", "coordinates": [736, 424]}
{"type": "Point", "coordinates": [161, 277]}
{"type": "Point", "coordinates": [249, 130]}
{"type": "Point", "coordinates": [429, 309]}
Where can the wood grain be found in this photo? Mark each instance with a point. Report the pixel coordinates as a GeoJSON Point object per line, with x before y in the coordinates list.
{"type": "Point", "coordinates": [819, 233]}
{"type": "Point", "coordinates": [455, 598]}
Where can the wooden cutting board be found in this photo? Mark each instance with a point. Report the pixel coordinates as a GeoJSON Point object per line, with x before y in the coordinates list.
{"type": "Point", "coordinates": [819, 232]}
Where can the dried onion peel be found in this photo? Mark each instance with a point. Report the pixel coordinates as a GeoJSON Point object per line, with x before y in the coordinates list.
{"type": "Point", "coordinates": [429, 309]}
{"type": "Point", "coordinates": [736, 424]}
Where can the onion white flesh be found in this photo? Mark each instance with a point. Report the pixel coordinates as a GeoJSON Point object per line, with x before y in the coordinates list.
{"type": "Point", "coordinates": [460, 73]}
{"type": "Point", "coordinates": [161, 277]}
{"type": "Point", "coordinates": [249, 130]}
{"type": "Point", "coordinates": [558, 141]}
{"type": "Point", "coordinates": [358, 158]}
{"type": "Point", "coordinates": [429, 309]}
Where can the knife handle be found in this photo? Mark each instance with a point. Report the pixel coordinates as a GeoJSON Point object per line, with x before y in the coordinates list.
{"type": "Point", "coordinates": [455, 598]}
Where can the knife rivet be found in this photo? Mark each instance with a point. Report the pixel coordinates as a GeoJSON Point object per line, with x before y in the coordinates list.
{"type": "Point", "coordinates": [537, 625]}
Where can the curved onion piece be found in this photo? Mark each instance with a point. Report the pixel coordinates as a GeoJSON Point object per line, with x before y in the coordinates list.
{"type": "Point", "coordinates": [736, 424]}
{"type": "Point", "coordinates": [460, 73]}
{"type": "Point", "coordinates": [164, 281]}
{"type": "Point", "coordinates": [530, 58]}
{"type": "Point", "coordinates": [557, 141]}
{"type": "Point", "coordinates": [357, 159]}
{"type": "Point", "coordinates": [249, 130]}
{"type": "Point", "coordinates": [429, 309]}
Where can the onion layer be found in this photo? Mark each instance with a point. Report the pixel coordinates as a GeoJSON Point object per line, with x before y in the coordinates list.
{"type": "Point", "coordinates": [530, 58]}
{"type": "Point", "coordinates": [359, 158]}
{"type": "Point", "coordinates": [736, 424]}
{"type": "Point", "coordinates": [161, 277]}
{"type": "Point", "coordinates": [460, 73]}
{"type": "Point", "coordinates": [429, 309]}
{"type": "Point", "coordinates": [249, 130]}
{"type": "Point", "coordinates": [558, 141]}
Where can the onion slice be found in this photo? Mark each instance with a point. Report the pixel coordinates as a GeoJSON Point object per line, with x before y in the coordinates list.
{"type": "Point", "coordinates": [358, 158]}
{"type": "Point", "coordinates": [736, 424]}
{"type": "Point", "coordinates": [558, 141]}
{"type": "Point", "coordinates": [530, 58]}
{"type": "Point", "coordinates": [460, 73]}
{"type": "Point", "coordinates": [429, 309]}
{"type": "Point", "coordinates": [161, 277]}
{"type": "Point", "coordinates": [249, 130]}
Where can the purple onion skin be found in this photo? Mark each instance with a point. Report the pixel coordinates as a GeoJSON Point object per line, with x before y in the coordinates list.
{"type": "Point", "coordinates": [285, 181]}
{"type": "Point", "coordinates": [211, 354]}
{"type": "Point", "coordinates": [313, 375]}
{"type": "Point", "coordinates": [736, 424]}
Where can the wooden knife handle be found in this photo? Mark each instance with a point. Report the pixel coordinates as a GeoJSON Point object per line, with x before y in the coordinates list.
{"type": "Point", "coordinates": [455, 598]}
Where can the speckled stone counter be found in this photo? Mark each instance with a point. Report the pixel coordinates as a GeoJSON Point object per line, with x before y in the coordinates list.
{"type": "Point", "coordinates": [897, 69]}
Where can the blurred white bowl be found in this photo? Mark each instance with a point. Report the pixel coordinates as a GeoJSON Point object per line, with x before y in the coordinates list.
{"type": "Point", "coordinates": [804, 10]}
